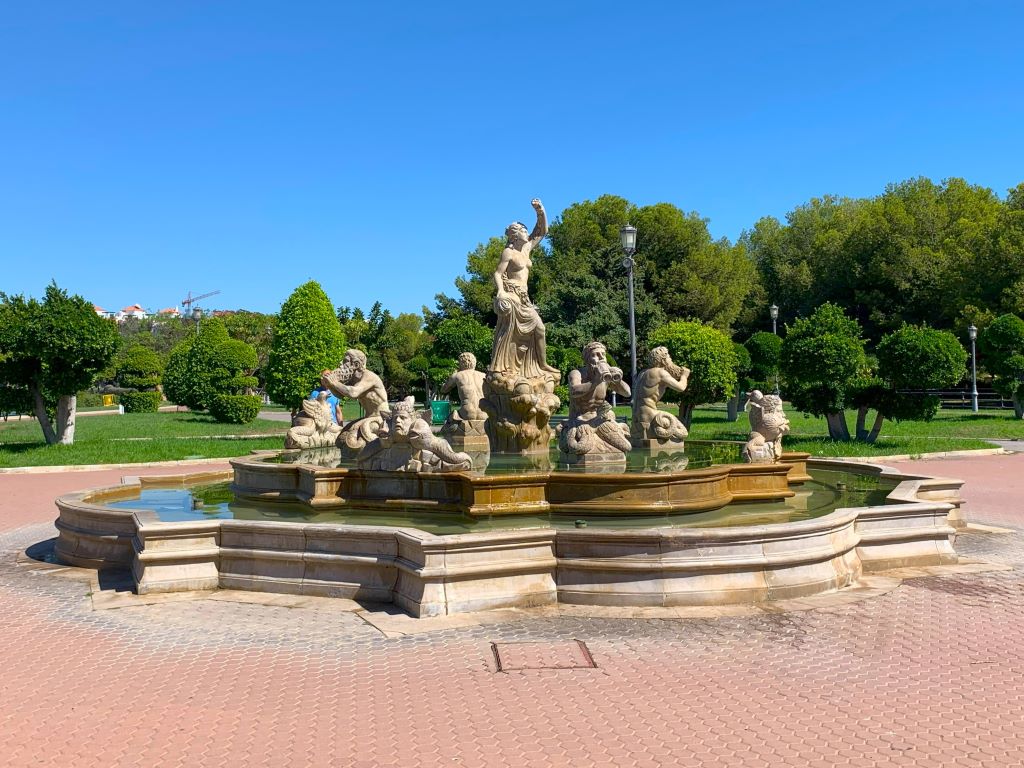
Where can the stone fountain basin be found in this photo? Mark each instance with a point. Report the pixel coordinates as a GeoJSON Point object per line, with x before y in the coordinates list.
{"type": "Point", "coordinates": [520, 493]}
{"type": "Point", "coordinates": [429, 575]}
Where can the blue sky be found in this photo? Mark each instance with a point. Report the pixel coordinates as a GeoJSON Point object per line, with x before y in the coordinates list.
{"type": "Point", "coordinates": [155, 148]}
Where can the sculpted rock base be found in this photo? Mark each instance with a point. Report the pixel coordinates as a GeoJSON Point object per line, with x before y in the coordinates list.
{"type": "Point", "coordinates": [518, 411]}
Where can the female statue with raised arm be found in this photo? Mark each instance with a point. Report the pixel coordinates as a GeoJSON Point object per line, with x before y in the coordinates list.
{"type": "Point", "coordinates": [520, 345]}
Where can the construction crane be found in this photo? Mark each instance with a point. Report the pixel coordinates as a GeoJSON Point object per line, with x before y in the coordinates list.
{"type": "Point", "coordinates": [190, 300]}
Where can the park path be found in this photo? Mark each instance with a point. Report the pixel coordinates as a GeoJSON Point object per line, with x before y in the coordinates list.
{"type": "Point", "coordinates": [929, 674]}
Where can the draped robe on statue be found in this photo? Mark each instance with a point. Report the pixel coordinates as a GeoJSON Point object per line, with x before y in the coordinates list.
{"type": "Point", "coordinates": [519, 339]}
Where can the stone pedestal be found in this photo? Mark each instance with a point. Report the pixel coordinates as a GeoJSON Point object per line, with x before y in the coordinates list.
{"type": "Point", "coordinates": [469, 435]}
{"type": "Point", "coordinates": [518, 410]}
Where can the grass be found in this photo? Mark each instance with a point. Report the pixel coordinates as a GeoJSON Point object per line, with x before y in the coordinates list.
{"type": "Point", "coordinates": [951, 430]}
{"type": "Point", "coordinates": [143, 437]}
{"type": "Point", "coordinates": [137, 437]}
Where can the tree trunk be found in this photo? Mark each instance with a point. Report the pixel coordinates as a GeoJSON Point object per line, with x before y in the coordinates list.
{"type": "Point", "coordinates": [39, 405]}
{"type": "Point", "coordinates": [837, 428]}
{"type": "Point", "coordinates": [686, 415]}
{"type": "Point", "coordinates": [1018, 407]}
{"type": "Point", "coordinates": [862, 416]}
{"type": "Point", "coordinates": [67, 406]}
{"type": "Point", "coordinates": [876, 428]}
{"type": "Point", "coordinates": [732, 408]}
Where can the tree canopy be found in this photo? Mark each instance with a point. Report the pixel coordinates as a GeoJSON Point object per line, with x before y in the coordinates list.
{"type": "Point", "coordinates": [49, 351]}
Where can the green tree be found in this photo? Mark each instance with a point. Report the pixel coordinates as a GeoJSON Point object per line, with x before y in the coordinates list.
{"type": "Point", "coordinates": [823, 360]}
{"type": "Point", "coordinates": [307, 340]}
{"type": "Point", "coordinates": [765, 350]}
{"type": "Point", "coordinates": [1002, 345]}
{"type": "Point", "coordinates": [910, 361]}
{"type": "Point", "coordinates": [49, 351]}
{"type": "Point", "coordinates": [189, 377]}
{"type": "Point", "coordinates": [711, 284]}
{"type": "Point", "coordinates": [464, 333]}
{"type": "Point", "coordinates": [257, 330]}
{"type": "Point", "coordinates": [710, 356]}
{"type": "Point", "coordinates": [139, 368]}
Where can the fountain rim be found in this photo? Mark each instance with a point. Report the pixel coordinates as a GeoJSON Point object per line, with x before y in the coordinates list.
{"type": "Point", "coordinates": [899, 499]}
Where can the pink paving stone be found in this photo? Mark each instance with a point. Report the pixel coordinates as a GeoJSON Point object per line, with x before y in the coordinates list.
{"type": "Point", "coordinates": [930, 674]}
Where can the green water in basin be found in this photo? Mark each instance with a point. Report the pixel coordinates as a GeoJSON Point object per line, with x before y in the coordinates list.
{"type": "Point", "coordinates": [697, 456]}
{"type": "Point", "coordinates": [827, 491]}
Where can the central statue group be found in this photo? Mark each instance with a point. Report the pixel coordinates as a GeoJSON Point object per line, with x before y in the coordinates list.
{"type": "Point", "coordinates": [508, 408]}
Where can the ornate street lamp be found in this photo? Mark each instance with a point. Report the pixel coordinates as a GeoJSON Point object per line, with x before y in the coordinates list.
{"type": "Point", "coordinates": [972, 332]}
{"type": "Point", "coordinates": [628, 236]}
{"type": "Point", "coordinates": [773, 311]}
{"type": "Point", "coordinates": [197, 315]}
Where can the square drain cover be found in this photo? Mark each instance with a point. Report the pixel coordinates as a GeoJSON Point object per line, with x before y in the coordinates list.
{"type": "Point", "coordinates": [569, 654]}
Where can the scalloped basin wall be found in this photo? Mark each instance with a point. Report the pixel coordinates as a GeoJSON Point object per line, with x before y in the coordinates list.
{"type": "Point", "coordinates": [429, 575]}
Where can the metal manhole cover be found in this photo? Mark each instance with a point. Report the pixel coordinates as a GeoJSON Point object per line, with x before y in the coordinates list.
{"type": "Point", "coordinates": [569, 654]}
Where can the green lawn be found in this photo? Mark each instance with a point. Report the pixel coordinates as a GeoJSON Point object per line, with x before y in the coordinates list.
{"type": "Point", "coordinates": [136, 437]}
{"type": "Point", "coordinates": [951, 430]}
{"type": "Point", "coordinates": [173, 436]}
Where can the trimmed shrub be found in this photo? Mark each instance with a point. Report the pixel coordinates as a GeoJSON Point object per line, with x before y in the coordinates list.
{"type": "Point", "coordinates": [710, 356]}
{"type": "Point", "coordinates": [141, 402]}
{"type": "Point", "coordinates": [307, 341]}
{"type": "Point", "coordinates": [236, 409]}
{"type": "Point", "coordinates": [139, 368]}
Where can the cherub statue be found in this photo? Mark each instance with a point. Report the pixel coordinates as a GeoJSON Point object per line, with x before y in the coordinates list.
{"type": "Point", "coordinates": [315, 426]}
{"type": "Point", "coordinates": [649, 422]}
{"type": "Point", "coordinates": [591, 429]}
{"type": "Point", "coordinates": [767, 426]}
{"type": "Point", "coordinates": [405, 443]}
{"type": "Point", "coordinates": [352, 380]}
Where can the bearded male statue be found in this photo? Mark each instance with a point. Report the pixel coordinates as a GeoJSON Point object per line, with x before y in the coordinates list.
{"type": "Point", "coordinates": [352, 380]}
{"type": "Point", "coordinates": [652, 427]}
{"type": "Point", "coordinates": [405, 443]}
{"type": "Point", "coordinates": [591, 435]}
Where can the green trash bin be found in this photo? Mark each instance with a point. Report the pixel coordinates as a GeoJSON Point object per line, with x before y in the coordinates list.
{"type": "Point", "coordinates": [439, 411]}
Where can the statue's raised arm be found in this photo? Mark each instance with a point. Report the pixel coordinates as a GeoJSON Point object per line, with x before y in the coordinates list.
{"type": "Point", "coordinates": [540, 229]}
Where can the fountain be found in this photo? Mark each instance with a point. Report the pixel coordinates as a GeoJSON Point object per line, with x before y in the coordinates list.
{"type": "Point", "coordinates": [384, 510]}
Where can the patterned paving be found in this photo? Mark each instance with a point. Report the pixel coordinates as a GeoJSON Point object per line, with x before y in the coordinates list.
{"type": "Point", "coordinates": [929, 674]}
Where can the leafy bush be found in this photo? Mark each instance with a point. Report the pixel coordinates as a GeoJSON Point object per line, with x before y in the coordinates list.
{"type": "Point", "coordinates": [141, 402]}
{"type": "Point", "coordinates": [189, 375]}
{"type": "Point", "coordinates": [1002, 344]}
{"type": "Point", "coordinates": [765, 351]}
{"type": "Point", "coordinates": [235, 409]}
{"type": "Point", "coordinates": [139, 368]}
{"type": "Point", "coordinates": [231, 365]}
{"type": "Point", "coordinates": [87, 399]}
{"type": "Point", "coordinates": [710, 356]}
{"type": "Point", "coordinates": [823, 361]}
{"type": "Point", "coordinates": [918, 357]}
{"type": "Point", "coordinates": [464, 333]}
{"type": "Point", "coordinates": [307, 340]}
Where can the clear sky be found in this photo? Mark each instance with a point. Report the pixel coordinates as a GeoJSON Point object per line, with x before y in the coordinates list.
{"type": "Point", "coordinates": [152, 148]}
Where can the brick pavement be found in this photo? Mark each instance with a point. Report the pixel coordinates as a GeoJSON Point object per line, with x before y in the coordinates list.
{"type": "Point", "coordinates": [929, 674]}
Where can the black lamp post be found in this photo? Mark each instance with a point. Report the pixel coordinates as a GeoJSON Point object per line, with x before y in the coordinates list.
{"type": "Point", "coordinates": [972, 332]}
{"type": "Point", "coordinates": [628, 236]}
{"type": "Point", "coordinates": [773, 311]}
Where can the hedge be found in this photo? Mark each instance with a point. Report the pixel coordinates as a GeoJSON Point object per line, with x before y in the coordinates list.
{"type": "Point", "coordinates": [236, 409]}
{"type": "Point", "coordinates": [141, 402]}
